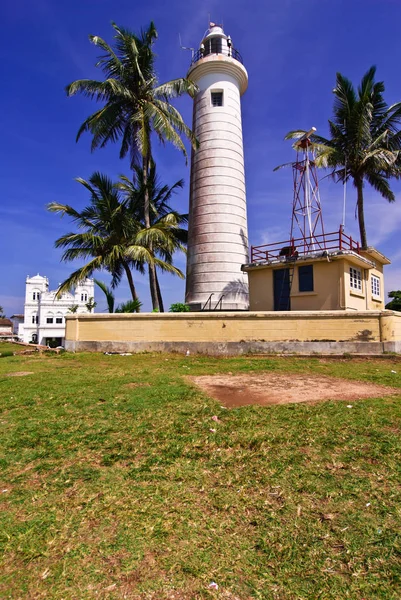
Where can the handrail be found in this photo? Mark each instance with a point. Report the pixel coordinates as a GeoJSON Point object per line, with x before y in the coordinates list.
{"type": "Point", "coordinates": [334, 241]}
{"type": "Point", "coordinates": [208, 301]}
{"type": "Point", "coordinates": [220, 302]}
{"type": "Point", "coordinates": [231, 52]}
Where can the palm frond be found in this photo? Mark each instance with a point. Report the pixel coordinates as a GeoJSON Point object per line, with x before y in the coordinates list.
{"type": "Point", "coordinates": [381, 185]}
{"type": "Point", "coordinates": [110, 299]}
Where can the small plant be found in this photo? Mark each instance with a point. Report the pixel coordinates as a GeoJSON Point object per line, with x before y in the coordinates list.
{"type": "Point", "coordinates": [91, 304]}
{"type": "Point", "coordinates": [155, 310]}
{"type": "Point", "coordinates": [179, 307]}
{"type": "Point", "coordinates": [73, 308]}
{"type": "Point", "coordinates": [131, 306]}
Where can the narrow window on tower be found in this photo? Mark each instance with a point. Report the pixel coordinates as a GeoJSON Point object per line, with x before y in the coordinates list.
{"type": "Point", "coordinates": [217, 98]}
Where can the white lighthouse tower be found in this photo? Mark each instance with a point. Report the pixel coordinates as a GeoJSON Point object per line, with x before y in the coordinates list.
{"type": "Point", "coordinates": [218, 233]}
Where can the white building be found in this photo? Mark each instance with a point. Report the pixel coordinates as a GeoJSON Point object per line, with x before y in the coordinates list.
{"type": "Point", "coordinates": [44, 314]}
{"type": "Point", "coordinates": [217, 231]}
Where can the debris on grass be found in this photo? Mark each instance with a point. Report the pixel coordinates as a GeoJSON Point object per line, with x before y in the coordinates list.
{"type": "Point", "coordinates": [19, 373]}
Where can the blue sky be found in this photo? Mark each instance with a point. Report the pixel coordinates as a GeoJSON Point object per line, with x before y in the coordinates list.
{"type": "Point", "coordinates": [292, 50]}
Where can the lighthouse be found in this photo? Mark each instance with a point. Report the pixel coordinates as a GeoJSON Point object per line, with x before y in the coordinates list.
{"type": "Point", "coordinates": [217, 230]}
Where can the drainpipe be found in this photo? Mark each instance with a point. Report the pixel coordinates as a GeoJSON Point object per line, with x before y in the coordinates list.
{"type": "Point", "coordinates": [341, 292]}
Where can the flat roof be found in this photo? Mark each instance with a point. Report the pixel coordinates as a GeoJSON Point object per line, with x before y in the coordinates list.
{"type": "Point", "coordinates": [320, 256]}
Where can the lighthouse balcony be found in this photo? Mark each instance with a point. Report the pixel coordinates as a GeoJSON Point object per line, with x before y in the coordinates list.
{"type": "Point", "coordinates": [218, 49]}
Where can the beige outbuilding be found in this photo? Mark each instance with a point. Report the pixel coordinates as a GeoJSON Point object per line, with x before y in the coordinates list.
{"type": "Point", "coordinates": [345, 278]}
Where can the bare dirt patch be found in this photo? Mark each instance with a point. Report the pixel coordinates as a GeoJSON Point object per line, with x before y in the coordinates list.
{"type": "Point", "coordinates": [270, 388]}
{"type": "Point", "coordinates": [19, 374]}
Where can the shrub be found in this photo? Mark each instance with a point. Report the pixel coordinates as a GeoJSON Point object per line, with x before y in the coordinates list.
{"type": "Point", "coordinates": [179, 307]}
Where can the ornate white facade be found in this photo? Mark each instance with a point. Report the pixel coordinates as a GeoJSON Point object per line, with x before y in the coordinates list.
{"type": "Point", "coordinates": [44, 314]}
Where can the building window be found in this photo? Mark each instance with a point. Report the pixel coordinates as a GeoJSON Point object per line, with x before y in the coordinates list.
{"type": "Point", "coordinates": [213, 45]}
{"type": "Point", "coordinates": [59, 320]}
{"type": "Point", "coordinates": [355, 279]}
{"type": "Point", "coordinates": [305, 278]}
{"type": "Point", "coordinates": [49, 320]}
{"type": "Point", "coordinates": [84, 297]}
{"type": "Point", "coordinates": [34, 319]}
{"type": "Point", "coordinates": [375, 281]}
{"type": "Point", "coordinates": [35, 296]}
{"type": "Point", "coordinates": [217, 98]}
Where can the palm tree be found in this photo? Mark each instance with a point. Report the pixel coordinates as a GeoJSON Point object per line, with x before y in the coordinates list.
{"type": "Point", "coordinates": [110, 236]}
{"type": "Point", "coordinates": [160, 213]}
{"type": "Point", "coordinates": [134, 107]}
{"type": "Point", "coordinates": [130, 306]}
{"type": "Point", "coordinates": [110, 299]}
{"type": "Point", "coordinates": [365, 140]}
{"type": "Point", "coordinates": [91, 304]}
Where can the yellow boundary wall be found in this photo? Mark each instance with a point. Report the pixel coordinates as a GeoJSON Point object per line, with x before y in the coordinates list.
{"type": "Point", "coordinates": [377, 331]}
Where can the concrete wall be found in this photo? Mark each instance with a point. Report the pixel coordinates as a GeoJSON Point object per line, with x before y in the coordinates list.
{"type": "Point", "coordinates": [224, 333]}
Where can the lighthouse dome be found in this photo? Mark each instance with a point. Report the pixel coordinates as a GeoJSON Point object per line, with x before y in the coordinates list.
{"type": "Point", "coordinates": [216, 42]}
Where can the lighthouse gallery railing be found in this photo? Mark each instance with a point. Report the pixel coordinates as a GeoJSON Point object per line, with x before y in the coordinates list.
{"type": "Point", "coordinates": [232, 52]}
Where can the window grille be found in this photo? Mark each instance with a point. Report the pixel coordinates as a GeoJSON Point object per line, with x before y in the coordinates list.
{"type": "Point", "coordinates": [59, 320]}
{"type": "Point", "coordinates": [375, 282]}
{"type": "Point", "coordinates": [355, 279]}
{"type": "Point", "coordinates": [49, 320]}
{"type": "Point", "coordinates": [217, 98]}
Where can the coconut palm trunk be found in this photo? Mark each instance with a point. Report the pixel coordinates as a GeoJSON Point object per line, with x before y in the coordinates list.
{"type": "Point", "coordinates": [361, 213]}
{"type": "Point", "coordinates": [146, 210]}
{"type": "Point", "coordinates": [130, 281]}
{"type": "Point", "coordinates": [159, 295]}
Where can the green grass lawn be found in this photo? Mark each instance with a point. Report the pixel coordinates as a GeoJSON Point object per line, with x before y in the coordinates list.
{"type": "Point", "coordinates": [113, 486]}
{"type": "Point", "coordinates": [7, 347]}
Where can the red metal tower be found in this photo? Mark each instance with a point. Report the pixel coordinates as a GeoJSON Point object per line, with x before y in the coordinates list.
{"type": "Point", "coordinates": [306, 208]}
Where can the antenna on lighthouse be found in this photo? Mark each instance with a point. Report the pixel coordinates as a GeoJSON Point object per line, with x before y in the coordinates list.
{"type": "Point", "coordinates": [185, 47]}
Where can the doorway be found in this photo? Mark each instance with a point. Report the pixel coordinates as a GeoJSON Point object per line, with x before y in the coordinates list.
{"type": "Point", "coordinates": [281, 289]}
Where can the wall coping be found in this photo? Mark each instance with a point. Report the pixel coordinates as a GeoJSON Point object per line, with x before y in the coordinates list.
{"type": "Point", "coordinates": [287, 315]}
